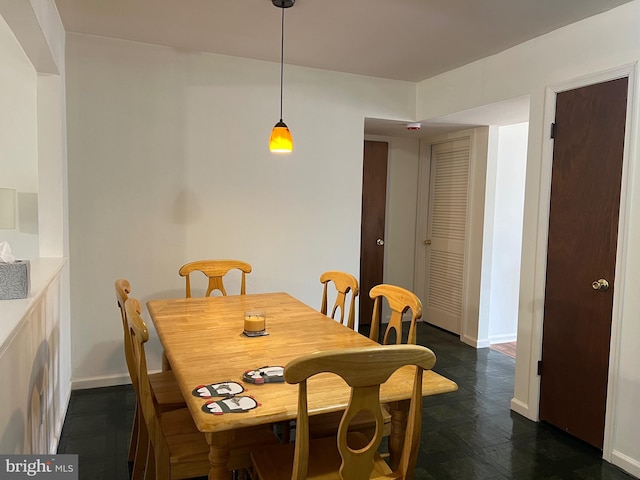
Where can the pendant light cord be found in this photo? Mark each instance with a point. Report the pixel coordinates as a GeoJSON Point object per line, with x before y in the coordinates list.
{"type": "Point", "coordinates": [281, 61]}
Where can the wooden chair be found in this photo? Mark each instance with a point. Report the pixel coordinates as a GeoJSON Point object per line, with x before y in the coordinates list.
{"type": "Point", "coordinates": [344, 283]}
{"type": "Point", "coordinates": [164, 388]}
{"type": "Point", "coordinates": [327, 424]}
{"type": "Point", "coordinates": [215, 270]}
{"type": "Point", "coordinates": [177, 449]}
{"type": "Point", "coordinates": [353, 456]}
{"type": "Point", "coordinates": [400, 300]}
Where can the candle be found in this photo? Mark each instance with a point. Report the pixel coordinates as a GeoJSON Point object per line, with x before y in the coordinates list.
{"type": "Point", "coordinates": [254, 322]}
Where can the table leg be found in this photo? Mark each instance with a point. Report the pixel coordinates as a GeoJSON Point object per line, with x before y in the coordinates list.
{"type": "Point", "coordinates": [219, 455]}
{"type": "Point", "coordinates": [165, 362]}
{"type": "Point", "coordinates": [399, 413]}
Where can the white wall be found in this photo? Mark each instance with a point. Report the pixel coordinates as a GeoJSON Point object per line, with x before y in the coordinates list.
{"type": "Point", "coordinates": [603, 42]}
{"type": "Point", "coordinates": [400, 228]}
{"type": "Point", "coordinates": [18, 133]}
{"type": "Point", "coordinates": [502, 245]}
{"type": "Point", "coordinates": [32, 126]}
{"type": "Point", "coordinates": [36, 330]}
{"type": "Point", "coordinates": [472, 331]}
{"type": "Point", "coordinates": [168, 163]}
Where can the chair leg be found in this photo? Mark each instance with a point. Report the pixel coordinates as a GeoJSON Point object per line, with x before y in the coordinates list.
{"type": "Point", "coordinates": [133, 444]}
{"type": "Point", "coordinates": [142, 451]}
{"type": "Point", "coordinates": [150, 470]}
{"type": "Point", "coordinates": [240, 474]}
{"type": "Point", "coordinates": [162, 467]}
{"type": "Point", "coordinates": [285, 431]}
{"type": "Point", "coordinates": [250, 474]}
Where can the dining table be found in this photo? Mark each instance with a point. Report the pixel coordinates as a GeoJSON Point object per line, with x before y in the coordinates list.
{"type": "Point", "coordinates": [204, 341]}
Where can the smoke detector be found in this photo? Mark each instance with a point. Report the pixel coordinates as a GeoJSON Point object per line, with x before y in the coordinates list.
{"type": "Point", "coordinates": [413, 126]}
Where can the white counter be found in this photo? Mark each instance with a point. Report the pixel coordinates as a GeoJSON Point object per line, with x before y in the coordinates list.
{"type": "Point", "coordinates": [43, 272]}
{"type": "Point", "coordinates": [35, 361]}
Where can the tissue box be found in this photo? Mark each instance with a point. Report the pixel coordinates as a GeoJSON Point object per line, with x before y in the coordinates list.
{"type": "Point", "coordinates": [14, 280]}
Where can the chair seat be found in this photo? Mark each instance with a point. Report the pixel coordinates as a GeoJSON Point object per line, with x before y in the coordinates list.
{"type": "Point", "coordinates": [165, 390]}
{"type": "Point", "coordinates": [276, 463]}
{"type": "Point", "coordinates": [327, 424]}
{"type": "Point", "coordinates": [188, 445]}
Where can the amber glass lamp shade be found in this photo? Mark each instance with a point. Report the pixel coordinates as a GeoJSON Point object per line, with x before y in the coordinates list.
{"type": "Point", "coordinates": [280, 140]}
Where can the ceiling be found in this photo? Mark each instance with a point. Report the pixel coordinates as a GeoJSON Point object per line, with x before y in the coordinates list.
{"type": "Point", "coordinates": [409, 40]}
{"type": "Point", "coordinates": [508, 112]}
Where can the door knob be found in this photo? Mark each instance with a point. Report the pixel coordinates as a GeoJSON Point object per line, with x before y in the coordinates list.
{"type": "Point", "coordinates": [601, 284]}
{"type": "Point", "coordinates": [427, 242]}
{"type": "Point", "coordinates": [379, 242]}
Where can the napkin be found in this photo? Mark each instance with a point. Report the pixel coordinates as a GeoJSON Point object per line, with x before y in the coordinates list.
{"type": "Point", "coordinates": [5, 253]}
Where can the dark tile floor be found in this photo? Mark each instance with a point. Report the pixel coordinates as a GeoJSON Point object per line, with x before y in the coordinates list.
{"type": "Point", "coordinates": [98, 428]}
{"type": "Point", "coordinates": [468, 434]}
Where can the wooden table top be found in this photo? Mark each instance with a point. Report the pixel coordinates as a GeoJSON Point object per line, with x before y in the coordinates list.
{"type": "Point", "coordinates": [204, 343]}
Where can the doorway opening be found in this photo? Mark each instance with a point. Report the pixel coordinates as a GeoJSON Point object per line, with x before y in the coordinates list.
{"type": "Point", "coordinates": [409, 165]}
{"type": "Point", "coordinates": [508, 348]}
{"type": "Point", "coordinates": [491, 234]}
{"type": "Point", "coordinates": [502, 239]}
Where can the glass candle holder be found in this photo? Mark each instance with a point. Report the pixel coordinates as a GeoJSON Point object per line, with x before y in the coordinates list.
{"type": "Point", "coordinates": [255, 322]}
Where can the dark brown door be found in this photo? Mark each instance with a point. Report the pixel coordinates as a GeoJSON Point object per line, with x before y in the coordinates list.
{"type": "Point", "coordinates": [583, 230]}
{"type": "Point", "coordinates": [374, 202]}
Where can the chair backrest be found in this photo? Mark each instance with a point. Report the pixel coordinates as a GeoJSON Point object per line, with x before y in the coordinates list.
{"type": "Point", "coordinates": [123, 289]}
{"type": "Point", "coordinates": [214, 270]}
{"type": "Point", "coordinates": [139, 336]}
{"type": "Point", "coordinates": [344, 283]}
{"type": "Point", "coordinates": [400, 300]}
{"type": "Point", "coordinates": [363, 369]}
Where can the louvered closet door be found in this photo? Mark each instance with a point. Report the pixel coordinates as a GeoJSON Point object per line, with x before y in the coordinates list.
{"type": "Point", "coordinates": [446, 230]}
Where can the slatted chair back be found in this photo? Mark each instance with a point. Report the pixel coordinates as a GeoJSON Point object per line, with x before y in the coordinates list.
{"type": "Point", "coordinates": [364, 370]}
{"type": "Point", "coordinates": [345, 284]}
{"type": "Point", "coordinates": [215, 270]}
{"type": "Point", "coordinates": [164, 388]}
{"type": "Point", "coordinates": [123, 289]}
{"type": "Point", "coordinates": [399, 300]}
{"type": "Point", "coordinates": [137, 326]}
{"type": "Point", "coordinates": [140, 336]}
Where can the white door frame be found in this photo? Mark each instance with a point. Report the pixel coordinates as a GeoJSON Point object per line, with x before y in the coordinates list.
{"type": "Point", "coordinates": [532, 409]}
{"type": "Point", "coordinates": [469, 328]}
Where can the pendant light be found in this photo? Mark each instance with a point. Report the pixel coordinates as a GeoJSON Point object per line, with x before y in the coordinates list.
{"type": "Point", "coordinates": [281, 140]}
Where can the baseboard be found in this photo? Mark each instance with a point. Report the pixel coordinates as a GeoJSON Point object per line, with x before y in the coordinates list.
{"type": "Point", "coordinates": [55, 440]}
{"type": "Point", "coordinates": [508, 338]}
{"type": "Point", "coordinates": [626, 463]}
{"type": "Point", "coordinates": [475, 343]}
{"type": "Point", "coordinates": [520, 407]}
{"type": "Point", "coordinates": [487, 342]}
{"type": "Point", "coordinates": [102, 381]}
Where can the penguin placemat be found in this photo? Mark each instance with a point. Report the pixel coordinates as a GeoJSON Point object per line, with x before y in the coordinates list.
{"type": "Point", "coordinates": [264, 374]}
{"type": "Point", "coordinates": [230, 401]}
